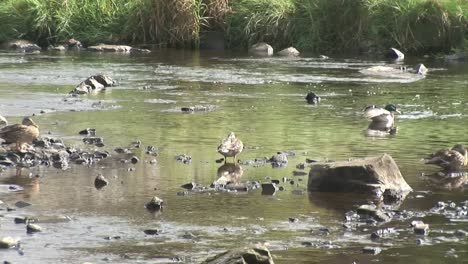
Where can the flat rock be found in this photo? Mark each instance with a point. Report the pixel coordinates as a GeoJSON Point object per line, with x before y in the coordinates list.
{"type": "Point", "coordinates": [372, 175]}
{"type": "Point", "coordinates": [110, 48]}
{"type": "Point", "coordinates": [245, 255]}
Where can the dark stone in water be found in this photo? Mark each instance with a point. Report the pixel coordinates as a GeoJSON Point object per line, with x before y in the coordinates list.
{"type": "Point", "coordinates": [122, 150]}
{"type": "Point", "coordinates": [155, 204]}
{"type": "Point", "coordinates": [275, 181]}
{"type": "Point", "coordinates": [279, 160]}
{"type": "Point", "coordinates": [151, 232]}
{"type": "Point", "coordinates": [269, 188]}
{"type": "Point", "coordinates": [25, 220]}
{"type": "Point", "coordinates": [247, 255]}
{"type": "Point", "coordinates": [134, 159]}
{"type": "Point", "coordinates": [198, 108]}
{"type": "Point", "coordinates": [100, 182]}
{"type": "Point", "coordinates": [371, 250]}
{"type": "Point", "coordinates": [189, 186]}
{"type": "Point", "coordinates": [306, 243]}
{"type": "Point", "coordinates": [184, 158]}
{"type": "Point", "coordinates": [300, 166]}
{"type": "Point", "coordinates": [293, 220]}
{"type": "Point", "coordinates": [311, 160]}
{"type": "Point", "coordinates": [219, 160]}
{"type": "Point", "coordinates": [88, 131]}
{"type": "Point", "coordinates": [94, 141]}
{"type": "Point", "coordinates": [391, 196]}
{"type": "Point", "coordinates": [312, 98]}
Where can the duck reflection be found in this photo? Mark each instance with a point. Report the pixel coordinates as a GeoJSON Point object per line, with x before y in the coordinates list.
{"type": "Point", "coordinates": [229, 173]}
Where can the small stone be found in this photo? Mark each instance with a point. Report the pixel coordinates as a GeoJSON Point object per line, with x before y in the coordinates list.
{"type": "Point", "coordinates": [151, 232]}
{"type": "Point", "coordinates": [275, 181]}
{"type": "Point", "coordinates": [88, 131]}
{"type": "Point", "coordinates": [153, 161]}
{"type": "Point", "coordinates": [24, 220]}
{"type": "Point", "coordinates": [293, 220]}
{"type": "Point", "coordinates": [371, 250]}
{"type": "Point", "coordinates": [100, 181]}
{"type": "Point", "coordinates": [33, 228]}
{"type": "Point", "coordinates": [155, 204]}
{"type": "Point", "coordinates": [269, 188]}
{"type": "Point", "coordinates": [134, 159]}
{"type": "Point", "coordinates": [189, 186]}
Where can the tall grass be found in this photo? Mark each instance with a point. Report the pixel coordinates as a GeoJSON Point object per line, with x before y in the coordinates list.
{"type": "Point", "coordinates": [316, 25]}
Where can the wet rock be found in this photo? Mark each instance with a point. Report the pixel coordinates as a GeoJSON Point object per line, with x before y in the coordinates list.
{"type": "Point", "coordinates": [395, 54]}
{"type": "Point", "coordinates": [369, 211]}
{"type": "Point", "coordinates": [247, 255]}
{"type": "Point", "coordinates": [371, 175]}
{"type": "Point", "coordinates": [275, 181]}
{"type": "Point", "coordinates": [56, 48]}
{"type": "Point", "coordinates": [391, 196]}
{"type": "Point", "coordinates": [312, 98]}
{"type": "Point", "coordinates": [8, 242]}
{"type": "Point", "coordinates": [74, 44]}
{"type": "Point", "coordinates": [97, 141]}
{"type": "Point", "coordinates": [371, 250]}
{"type": "Point", "coordinates": [33, 228]}
{"type": "Point", "coordinates": [94, 83]}
{"type": "Point", "coordinates": [198, 108]}
{"type": "Point", "coordinates": [151, 150]}
{"type": "Point", "coordinates": [279, 160]}
{"type": "Point", "coordinates": [461, 233]}
{"type": "Point", "coordinates": [269, 188]}
{"type": "Point", "coordinates": [261, 49]}
{"type": "Point", "coordinates": [293, 220]}
{"type": "Point", "coordinates": [151, 232]}
{"type": "Point", "coordinates": [183, 158]}
{"type": "Point", "coordinates": [138, 50]}
{"type": "Point", "coordinates": [420, 228]}
{"type": "Point", "coordinates": [301, 166]}
{"type": "Point", "coordinates": [134, 160]}
{"type": "Point", "coordinates": [155, 204]}
{"type": "Point", "coordinates": [311, 161]}
{"type": "Point", "coordinates": [100, 181]}
{"type": "Point", "coordinates": [189, 186]}
{"type": "Point", "coordinates": [22, 204]}
{"type": "Point", "coordinates": [110, 48]}
{"type": "Point", "coordinates": [23, 46]}
{"type": "Point", "coordinates": [25, 220]}
{"type": "Point", "coordinates": [88, 131]}
{"type": "Point", "coordinates": [289, 52]}
{"type": "Point", "coordinates": [383, 233]}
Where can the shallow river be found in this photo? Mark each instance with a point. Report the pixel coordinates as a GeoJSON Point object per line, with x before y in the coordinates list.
{"type": "Point", "coordinates": [262, 100]}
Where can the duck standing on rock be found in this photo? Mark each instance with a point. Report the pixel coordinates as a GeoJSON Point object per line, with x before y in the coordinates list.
{"type": "Point", "coordinates": [382, 119]}
{"type": "Point", "coordinates": [230, 147]}
{"type": "Point", "coordinates": [20, 134]}
{"type": "Point", "coordinates": [451, 160]}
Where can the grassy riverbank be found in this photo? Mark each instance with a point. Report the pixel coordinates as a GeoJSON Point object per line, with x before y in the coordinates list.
{"type": "Point", "coordinates": [315, 25]}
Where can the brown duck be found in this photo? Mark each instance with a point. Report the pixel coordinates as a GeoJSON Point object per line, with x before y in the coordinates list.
{"type": "Point", "coordinates": [20, 134]}
{"type": "Point", "coordinates": [449, 159]}
{"type": "Point", "coordinates": [231, 146]}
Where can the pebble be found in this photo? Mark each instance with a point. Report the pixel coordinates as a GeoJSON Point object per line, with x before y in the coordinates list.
{"type": "Point", "coordinates": [100, 181]}
{"type": "Point", "coordinates": [134, 159]}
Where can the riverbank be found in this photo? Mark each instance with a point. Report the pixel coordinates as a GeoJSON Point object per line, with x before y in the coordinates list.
{"type": "Point", "coordinates": [424, 26]}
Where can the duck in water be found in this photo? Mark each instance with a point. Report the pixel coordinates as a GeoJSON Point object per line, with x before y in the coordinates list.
{"type": "Point", "coordinates": [382, 119]}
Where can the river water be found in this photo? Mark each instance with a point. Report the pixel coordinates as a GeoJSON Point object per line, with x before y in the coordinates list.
{"type": "Point", "coordinates": [262, 100]}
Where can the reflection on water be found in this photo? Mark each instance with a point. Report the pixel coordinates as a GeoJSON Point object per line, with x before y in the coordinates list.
{"type": "Point", "coordinates": [262, 99]}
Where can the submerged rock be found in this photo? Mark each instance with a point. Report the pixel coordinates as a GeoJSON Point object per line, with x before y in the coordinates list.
{"type": "Point", "coordinates": [245, 255]}
{"type": "Point", "coordinates": [23, 46]}
{"type": "Point", "coordinates": [371, 175]}
{"type": "Point", "coordinates": [183, 158]}
{"type": "Point", "coordinates": [269, 188]}
{"type": "Point", "coordinates": [279, 160]}
{"type": "Point", "coordinates": [371, 250]}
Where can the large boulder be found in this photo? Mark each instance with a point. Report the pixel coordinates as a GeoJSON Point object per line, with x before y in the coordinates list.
{"type": "Point", "coordinates": [289, 52]}
{"type": "Point", "coordinates": [371, 175]}
{"type": "Point", "coordinates": [262, 49]}
{"type": "Point", "coordinates": [245, 255]}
